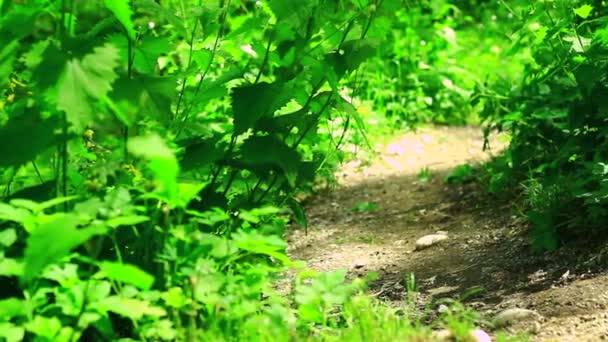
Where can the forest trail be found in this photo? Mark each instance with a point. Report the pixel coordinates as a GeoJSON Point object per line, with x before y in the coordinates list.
{"type": "Point", "coordinates": [487, 247]}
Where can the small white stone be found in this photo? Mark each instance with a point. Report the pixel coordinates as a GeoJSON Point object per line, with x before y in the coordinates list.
{"type": "Point", "coordinates": [429, 240]}
{"type": "Point", "coordinates": [510, 316]}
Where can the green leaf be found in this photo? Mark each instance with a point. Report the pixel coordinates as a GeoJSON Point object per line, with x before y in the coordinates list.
{"type": "Point", "coordinates": [8, 237]}
{"type": "Point", "coordinates": [122, 12]}
{"type": "Point", "coordinates": [11, 332]}
{"type": "Point", "coordinates": [11, 267]}
{"type": "Point", "coordinates": [53, 202]}
{"type": "Point", "coordinates": [271, 151]}
{"type": "Point", "coordinates": [126, 221]}
{"type": "Point", "coordinates": [131, 308]}
{"type": "Point", "coordinates": [175, 297]}
{"type": "Point", "coordinates": [47, 327]}
{"type": "Point", "coordinates": [200, 152]}
{"type": "Point", "coordinates": [584, 11]}
{"type": "Point", "coordinates": [29, 135]}
{"type": "Point", "coordinates": [11, 307]}
{"type": "Point", "coordinates": [7, 58]}
{"type": "Point", "coordinates": [84, 81]}
{"type": "Point", "coordinates": [252, 102]}
{"type": "Point", "coordinates": [256, 243]}
{"type": "Point", "coordinates": [163, 163]}
{"type": "Point", "coordinates": [52, 240]}
{"type": "Point", "coordinates": [10, 213]}
{"type": "Point", "coordinates": [298, 212]}
{"type": "Point", "coordinates": [145, 52]}
{"type": "Point", "coordinates": [144, 96]}
{"type": "Point", "coordinates": [155, 10]}
{"type": "Point", "coordinates": [127, 274]}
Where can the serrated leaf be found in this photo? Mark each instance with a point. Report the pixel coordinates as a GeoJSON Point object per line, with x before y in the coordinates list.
{"type": "Point", "coordinates": [349, 109]}
{"type": "Point", "coordinates": [200, 153]}
{"type": "Point", "coordinates": [122, 11]}
{"type": "Point", "coordinates": [82, 82]}
{"type": "Point", "coordinates": [7, 58]}
{"type": "Point", "coordinates": [29, 135]}
{"type": "Point", "coordinates": [144, 96]}
{"type": "Point", "coordinates": [127, 274]}
{"type": "Point", "coordinates": [584, 11]}
{"type": "Point", "coordinates": [53, 240]}
{"type": "Point", "coordinates": [269, 150]}
{"type": "Point", "coordinates": [160, 13]}
{"type": "Point", "coordinates": [252, 102]}
{"type": "Point", "coordinates": [145, 52]}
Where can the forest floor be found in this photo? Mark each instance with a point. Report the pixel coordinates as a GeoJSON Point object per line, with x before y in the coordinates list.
{"type": "Point", "coordinates": [487, 246]}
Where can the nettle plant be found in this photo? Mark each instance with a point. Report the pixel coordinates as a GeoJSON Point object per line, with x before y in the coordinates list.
{"type": "Point", "coordinates": [146, 150]}
{"type": "Point", "coordinates": [557, 118]}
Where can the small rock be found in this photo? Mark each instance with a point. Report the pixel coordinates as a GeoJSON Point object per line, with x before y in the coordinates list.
{"type": "Point", "coordinates": [443, 308]}
{"type": "Point", "coordinates": [358, 264]}
{"type": "Point", "coordinates": [510, 316]}
{"type": "Point", "coordinates": [429, 240]}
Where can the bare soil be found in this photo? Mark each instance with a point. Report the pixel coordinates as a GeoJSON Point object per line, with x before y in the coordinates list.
{"type": "Point", "coordinates": [488, 247]}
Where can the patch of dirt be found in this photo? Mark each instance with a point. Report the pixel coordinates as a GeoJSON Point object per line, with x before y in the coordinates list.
{"type": "Point", "coordinates": [487, 249]}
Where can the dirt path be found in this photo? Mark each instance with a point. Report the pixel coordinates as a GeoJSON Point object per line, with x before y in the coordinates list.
{"type": "Point", "coordinates": [487, 248]}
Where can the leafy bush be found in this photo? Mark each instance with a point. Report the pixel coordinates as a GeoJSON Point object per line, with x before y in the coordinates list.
{"type": "Point", "coordinates": [556, 116]}
{"type": "Point", "coordinates": [437, 53]}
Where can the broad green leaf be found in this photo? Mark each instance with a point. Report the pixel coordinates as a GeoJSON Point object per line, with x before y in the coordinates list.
{"type": "Point", "coordinates": [155, 10]}
{"type": "Point", "coordinates": [189, 192]}
{"type": "Point", "coordinates": [584, 11]}
{"type": "Point", "coordinates": [127, 274]}
{"type": "Point", "coordinates": [7, 58]}
{"type": "Point", "coordinates": [271, 151]}
{"type": "Point", "coordinates": [11, 333]}
{"type": "Point", "coordinates": [122, 12]}
{"type": "Point", "coordinates": [82, 82]}
{"type": "Point", "coordinates": [126, 221]}
{"type": "Point", "coordinates": [162, 160]}
{"type": "Point", "coordinates": [44, 327]}
{"type": "Point", "coordinates": [144, 96]}
{"type": "Point", "coordinates": [150, 147]}
{"type": "Point", "coordinates": [145, 52]}
{"type": "Point", "coordinates": [11, 267]}
{"type": "Point", "coordinates": [293, 13]}
{"type": "Point", "coordinates": [131, 308]}
{"type": "Point", "coordinates": [11, 307]}
{"type": "Point", "coordinates": [351, 55]}
{"type": "Point", "coordinates": [65, 275]}
{"type": "Point", "coordinates": [349, 109]}
{"type": "Point", "coordinates": [8, 237]}
{"type": "Point", "coordinates": [257, 243]}
{"type": "Point", "coordinates": [51, 203]}
{"type": "Point", "coordinates": [10, 213]}
{"type": "Point", "coordinates": [29, 135]}
{"type": "Point", "coordinates": [175, 297]}
{"type": "Point", "coordinates": [252, 102]}
{"type": "Point", "coordinates": [54, 239]}
{"type": "Point", "coordinates": [200, 153]}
